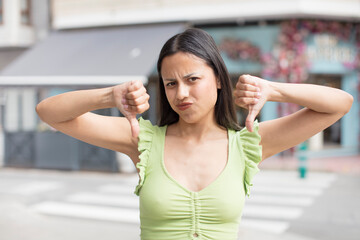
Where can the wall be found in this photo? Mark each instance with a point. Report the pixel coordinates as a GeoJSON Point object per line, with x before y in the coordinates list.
{"type": "Point", "coordinates": [91, 13]}
{"type": "Point", "coordinates": [12, 33]}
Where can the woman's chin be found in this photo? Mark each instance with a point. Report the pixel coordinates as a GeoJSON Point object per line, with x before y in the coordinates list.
{"type": "Point", "coordinates": [188, 118]}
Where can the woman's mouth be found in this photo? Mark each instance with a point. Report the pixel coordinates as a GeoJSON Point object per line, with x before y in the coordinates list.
{"type": "Point", "coordinates": [183, 106]}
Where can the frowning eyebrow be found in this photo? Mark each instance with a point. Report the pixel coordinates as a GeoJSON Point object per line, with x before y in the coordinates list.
{"type": "Point", "coordinates": [184, 77]}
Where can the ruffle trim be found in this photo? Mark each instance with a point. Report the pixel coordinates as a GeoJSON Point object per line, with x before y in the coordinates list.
{"type": "Point", "coordinates": [252, 153]}
{"type": "Point", "coordinates": [144, 146]}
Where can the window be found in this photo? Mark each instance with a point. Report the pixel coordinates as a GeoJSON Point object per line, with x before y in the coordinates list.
{"type": "Point", "coordinates": [1, 11]}
{"type": "Point", "coordinates": [25, 12]}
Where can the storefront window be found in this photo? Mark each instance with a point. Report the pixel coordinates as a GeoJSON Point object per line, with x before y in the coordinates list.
{"type": "Point", "coordinates": [1, 11]}
{"type": "Point", "coordinates": [25, 12]}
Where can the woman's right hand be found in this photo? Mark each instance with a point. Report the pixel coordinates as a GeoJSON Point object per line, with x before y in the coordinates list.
{"type": "Point", "coordinates": [251, 93]}
{"type": "Point", "coordinates": [131, 98]}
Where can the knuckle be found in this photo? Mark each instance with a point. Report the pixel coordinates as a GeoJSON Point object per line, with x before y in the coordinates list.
{"type": "Point", "coordinates": [138, 108]}
{"type": "Point", "coordinates": [251, 101]}
{"type": "Point", "coordinates": [137, 84]}
{"type": "Point", "coordinates": [136, 101]}
{"type": "Point", "coordinates": [142, 108]}
{"type": "Point", "coordinates": [242, 78]}
{"type": "Point", "coordinates": [131, 95]}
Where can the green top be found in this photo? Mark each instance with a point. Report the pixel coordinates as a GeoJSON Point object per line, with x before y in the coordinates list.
{"type": "Point", "coordinates": [169, 211]}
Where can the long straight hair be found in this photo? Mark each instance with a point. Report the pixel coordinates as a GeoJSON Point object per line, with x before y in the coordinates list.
{"type": "Point", "coordinates": [199, 43]}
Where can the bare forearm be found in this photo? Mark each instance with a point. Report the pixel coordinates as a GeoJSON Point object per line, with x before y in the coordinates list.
{"type": "Point", "coordinates": [67, 106]}
{"type": "Point", "coordinates": [318, 98]}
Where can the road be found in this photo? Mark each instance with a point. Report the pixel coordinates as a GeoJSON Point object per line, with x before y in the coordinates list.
{"type": "Point", "coordinates": [52, 205]}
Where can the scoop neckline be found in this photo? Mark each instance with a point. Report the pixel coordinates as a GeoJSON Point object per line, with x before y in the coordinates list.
{"type": "Point", "coordinates": [180, 185]}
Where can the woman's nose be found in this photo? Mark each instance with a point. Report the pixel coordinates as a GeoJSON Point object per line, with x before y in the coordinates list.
{"type": "Point", "coordinates": [182, 91]}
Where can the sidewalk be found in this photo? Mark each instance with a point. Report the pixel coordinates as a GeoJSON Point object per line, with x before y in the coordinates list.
{"type": "Point", "coordinates": [249, 234]}
{"type": "Point", "coordinates": [343, 165]}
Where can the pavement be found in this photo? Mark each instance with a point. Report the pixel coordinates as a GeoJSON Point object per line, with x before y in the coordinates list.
{"type": "Point", "coordinates": [57, 205]}
{"type": "Point", "coordinates": [343, 165]}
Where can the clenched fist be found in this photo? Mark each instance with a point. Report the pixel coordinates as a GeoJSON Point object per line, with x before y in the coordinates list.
{"type": "Point", "coordinates": [251, 93]}
{"type": "Point", "coordinates": [131, 99]}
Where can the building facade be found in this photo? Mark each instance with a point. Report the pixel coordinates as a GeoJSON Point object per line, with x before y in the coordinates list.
{"type": "Point", "coordinates": [324, 52]}
{"type": "Point", "coordinates": [75, 44]}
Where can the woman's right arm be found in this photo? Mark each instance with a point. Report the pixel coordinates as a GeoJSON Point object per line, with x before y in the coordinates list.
{"type": "Point", "coordinates": [71, 114]}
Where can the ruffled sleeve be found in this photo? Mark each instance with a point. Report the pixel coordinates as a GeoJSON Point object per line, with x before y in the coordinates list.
{"type": "Point", "coordinates": [144, 145]}
{"type": "Point", "coordinates": [252, 154]}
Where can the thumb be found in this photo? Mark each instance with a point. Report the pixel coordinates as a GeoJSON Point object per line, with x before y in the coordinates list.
{"type": "Point", "coordinates": [134, 123]}
{"type": "Point", "coordinates": [250, 118]}
{"type": "Point", "coordinates": [134, 85]}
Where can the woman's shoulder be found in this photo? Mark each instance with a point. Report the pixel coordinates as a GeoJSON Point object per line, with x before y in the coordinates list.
{"type": "Point", "coordinates": [245, 134]}
{"type": "Point", "coordinates": [147, 137]}
{"type": "Point", "coordinates": [146, 124]}
{"type": "Point", "coordinates": [148, 130]}
{"type": "Point", "coordinates": [251, 151]}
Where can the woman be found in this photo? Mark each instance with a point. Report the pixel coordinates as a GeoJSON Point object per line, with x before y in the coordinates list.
{"type": "Point", "coordinates": [196, 167]}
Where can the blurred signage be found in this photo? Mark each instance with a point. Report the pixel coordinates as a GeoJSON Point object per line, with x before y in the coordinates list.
{"type": "Point", "coordinates": [326, 47]}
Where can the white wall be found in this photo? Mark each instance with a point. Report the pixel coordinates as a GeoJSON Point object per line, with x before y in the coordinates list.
{"type": "Point", "coordinates": [19, 112]}
{"type": "Point", "coordinates": [12, 110]}
{"type": "Point", "coordinates": [92, 13]}
{"type": "Point", "coordinates": [28, 113]}
{"type": "Point", "coordinates": [12, 32]}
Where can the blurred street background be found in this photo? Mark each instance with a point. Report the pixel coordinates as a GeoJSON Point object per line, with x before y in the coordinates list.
{"type": "Point", "coordinates": [55, 187]}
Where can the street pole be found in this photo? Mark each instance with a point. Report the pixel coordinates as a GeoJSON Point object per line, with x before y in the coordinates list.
{"type": "Point", "coordinates": [302, 159]}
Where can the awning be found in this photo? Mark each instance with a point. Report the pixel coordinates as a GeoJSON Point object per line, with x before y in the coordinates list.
{"type": "Point", "coordinates": [101, 56]}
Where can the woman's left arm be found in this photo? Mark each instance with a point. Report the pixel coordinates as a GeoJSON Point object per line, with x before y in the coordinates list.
{"type": "Point", "coordinates": [323, 106]}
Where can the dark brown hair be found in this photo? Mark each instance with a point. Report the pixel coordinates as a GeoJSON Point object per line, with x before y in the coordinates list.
{"type": "Point", "coordinates": [199, 43]}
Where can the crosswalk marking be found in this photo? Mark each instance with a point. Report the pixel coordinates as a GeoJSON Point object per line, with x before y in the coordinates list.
{"type": "Point", "coordinates": [33, 188]}
{"type": "Point", "coordinates": [280, 200]}
{"type": "Point", "coordinates": [294, 175]}
{"type": "Point", "coordinates": [112, 188]}
{"type": "Point", "coordinates": [316, 182]}
{"type": "Point", "coordinates": [98, 198]}
{"type": "Point", "coordinates": [287, 190]}
{"type": "Point", "coordinates": [272, 226]}
{"type": "Point", "coordinates": [269, 211]}
{"type": "Point", "coordinates": [88, 212]}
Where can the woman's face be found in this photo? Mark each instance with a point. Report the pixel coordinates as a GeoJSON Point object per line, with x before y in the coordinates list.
{"type": "Point", "coordinates": [190, 86]}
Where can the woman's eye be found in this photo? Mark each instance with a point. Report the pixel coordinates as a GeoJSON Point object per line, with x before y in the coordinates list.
{"type": "Point", "coordinates": [170, 84]}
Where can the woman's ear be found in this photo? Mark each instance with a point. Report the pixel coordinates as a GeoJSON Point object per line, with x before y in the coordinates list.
{"type": "Point", "coordinates": [218, 84]}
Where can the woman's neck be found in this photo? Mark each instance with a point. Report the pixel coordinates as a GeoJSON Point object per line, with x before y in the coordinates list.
{"type": "Point", "coordinates": [204, 129]}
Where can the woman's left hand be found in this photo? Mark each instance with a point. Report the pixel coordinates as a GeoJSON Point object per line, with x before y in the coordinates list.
{"type": "Point", "coordinates": [251, 93]}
